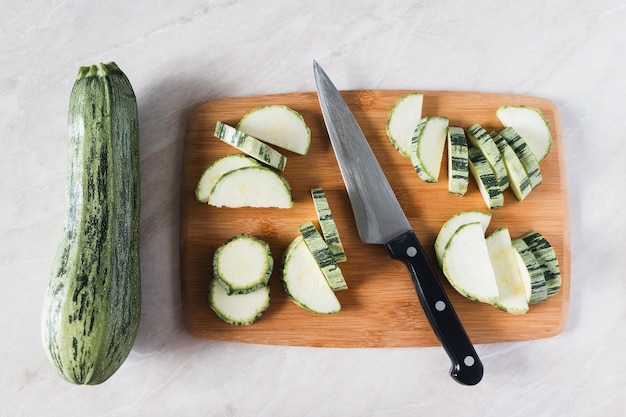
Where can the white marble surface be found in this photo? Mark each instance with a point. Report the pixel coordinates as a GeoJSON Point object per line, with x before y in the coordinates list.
{"type": "Point", "coordinates": [179, 53]}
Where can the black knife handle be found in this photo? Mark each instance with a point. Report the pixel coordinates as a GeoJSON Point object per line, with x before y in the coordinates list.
{"type": "Point", "coordinates": [466, 368]}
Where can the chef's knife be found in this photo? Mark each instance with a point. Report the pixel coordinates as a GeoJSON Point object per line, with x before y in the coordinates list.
{"type": "Point", "coordinates": [380, 219]}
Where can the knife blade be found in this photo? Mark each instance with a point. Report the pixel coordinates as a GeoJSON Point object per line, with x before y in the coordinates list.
{"type": "Point", "coordinates": [380, 219]}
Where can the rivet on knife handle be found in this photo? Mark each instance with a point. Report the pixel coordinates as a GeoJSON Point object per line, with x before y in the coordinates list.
{"type": "Point", "coordinates": [466, 368]}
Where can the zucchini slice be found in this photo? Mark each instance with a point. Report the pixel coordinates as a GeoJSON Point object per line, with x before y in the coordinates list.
{"type": "Point", "coordinates": [250, 145]}
{"type": "Point", "coordinates": [255, 186]}
{"type": "Point", "coordinates": [485, 179]}
{"type": "Point", "coordinates": [278, 125]}
{"type": "Point", "coordinates": [511, 290]}
{"type": "Point", "coordinates": [467, 266]}
{"type": "Point", "coordinates": [458, 169]}
{"type": "Point", "coordinates": [238, 309]}
{"type": "Point", "coordinates": [483, 141]}
{"type": "Point", "coordinates": [404, 117]}
{"type": "Point", "coordinates": [531, 125]}
{"type": "Point", "coordinates": [531, 271]}
{"type": "Point", "coordinates": [217, 169]}
{"type": "Point", "coordinates": [303, 280]}
{"type": "Point", "coordinates": [323, 256]}
{"type": "Point", "coordinates": [518, 179]}
{"type": "Point", "coordinates": [327, 224]}
{"type": "Point", "coordinates": [427, 145]}
{"type": "Point", "coordinates": [452, 225]}
{"type": "Point", "coordinates": [546, 256]}
{"type": "Point", "coordinates": [525, 155]}
{"type": "Point", "coordinates": [243, 264]}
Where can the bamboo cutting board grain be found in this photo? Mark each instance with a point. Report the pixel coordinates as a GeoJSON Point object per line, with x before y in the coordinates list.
{"type": "Point", "coordinates": [380, 308]}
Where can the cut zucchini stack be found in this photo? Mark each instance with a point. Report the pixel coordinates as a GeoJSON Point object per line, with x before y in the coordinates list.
{"type": "Point", "coordinates": [311, 273]}
{"type": "Point", "coordinates": [510, 274]}
{"type": "Point", "coordinates": [227, 182]}
{"type": "Point", "coordinates": [237, 180]}
{"type": "Point", "coordinates": [508, 158]}
{"type": "Point", "coordinates": [239, 292]}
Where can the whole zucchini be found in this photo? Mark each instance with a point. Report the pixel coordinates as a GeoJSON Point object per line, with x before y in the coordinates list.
{"type": "Point", "coordinates": [93, 301]}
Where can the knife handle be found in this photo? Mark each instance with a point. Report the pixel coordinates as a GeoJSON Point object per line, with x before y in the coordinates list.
{"type": "Point", "coordinates": [466, 368]}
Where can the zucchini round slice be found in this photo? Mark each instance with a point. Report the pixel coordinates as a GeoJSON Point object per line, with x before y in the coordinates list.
{"type": "Point", "coordinates": [243, 264]}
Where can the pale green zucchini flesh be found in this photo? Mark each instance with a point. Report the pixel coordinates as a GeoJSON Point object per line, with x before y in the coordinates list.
{"type": "Point", "coordinates": [303, 280]}
{"type": "Point", "coordinates": [277, 125]}
{"type": "Point", "coordinates": [243, 264]}
{"type": "Point", "coordinates": [403, 118]}
{"type": "Point", "coordinates": [92, 304]}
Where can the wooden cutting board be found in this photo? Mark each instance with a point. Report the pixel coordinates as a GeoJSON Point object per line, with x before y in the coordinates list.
{"type": "Point", "coordinates": [380, 308]}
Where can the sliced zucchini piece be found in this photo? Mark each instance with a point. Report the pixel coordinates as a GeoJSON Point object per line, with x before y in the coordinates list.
{"type": "Point", "coordinates": [511, 290]}
{"type": "Point", "coordinates": [304, 282]}
{"type": "Point", "coordinates": [238, 309]}
{"type": "Point", "coordinates": [278, 125]}
{"type": "Point", "coordinates": [217, 169]}
{"type": "Point", "coordinates": [525, 155]}
{"type": "Point", "coordinates": [323, 256]}
{"type": "Point", "coordinates": [546, 256]}
{"type": "Point", "coordinates": [327, 224]}
{"type": "Point", "coordinates": [531, 125]}
{"type": "Point", "coordinates": [404, 117]}
{"type": "Point", "coordinates": [251, 187]}
{"type": "Point", "coordinates": [531, 271]}
{"type": "Point", "coordinates": [518, 179]}
{"type": "Point", "coordinates": [485, 179]}
{"type": "Point", "coordinates": [250, 145]}
{"type": "Point", "coordinates": [458, 169]}
{"type": "Point", "coordinates": [243, 264]}
{"type": "Point", "coordinates": [427, 145]}
{"type": "Point", "coordinates": [483, 141]}
{"type": "Point", "coordinates": [452, 225]}
{"type": "Point", "coordinates": [467, 266]}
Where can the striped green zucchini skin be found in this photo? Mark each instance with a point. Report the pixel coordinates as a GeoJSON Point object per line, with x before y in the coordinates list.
{"type": "Point", "coordinates": [92, 305]}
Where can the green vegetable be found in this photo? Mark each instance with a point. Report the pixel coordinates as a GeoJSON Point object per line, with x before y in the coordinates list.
{"type": "Point", "coordinates": [253, 186]}
{"type": "Point", "coordinates": [238, 309]}
{"type": "Point", "coordinates": [323, 256]}
{"type": "Point", "coordinates": [327, 224]}
{"type": "Point", "coordinates": [427, 145]}
{"type": "Point", "coordinates": [304, 282]}
{"type": "Point", "coordinates": [93, 301]}
{"type": "Point", "coordinates": [458, 170]}
{"type": "Point", "coordinates": [485, 179]}
{"type": "Point", "coordinates": [403, 118]}
{"type": "Point", "coordinates": [218, 168]}
{"type": "Point", "coordinates": [250, 145]}
{"type": "Point", "coordinates": [531, 125]}
{"type": "Point", "coordinates": [243, 264]}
